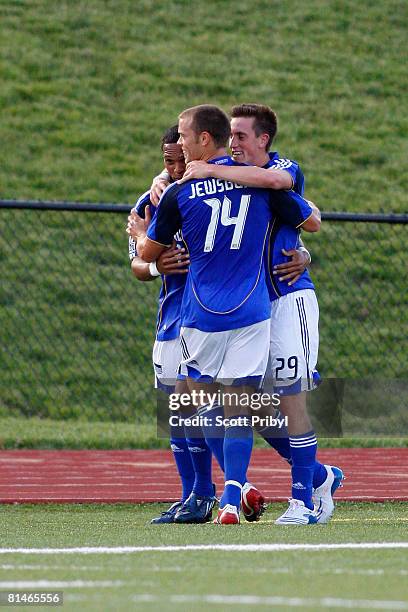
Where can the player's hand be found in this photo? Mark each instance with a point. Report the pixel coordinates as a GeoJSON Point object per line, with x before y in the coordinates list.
{"type": "Point", "coordinates": [196, 170]}
{"type": "Point", "coordinates": [173, 261]}
{"type": "Point", "coordinates": [292, 270]}
{"type": "Point", "coordinates": [137, 227]}
{"type": "Point", "coordinates": [158, 186]}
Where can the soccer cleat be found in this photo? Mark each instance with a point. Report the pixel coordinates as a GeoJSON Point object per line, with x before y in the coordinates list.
{"type": "Point", "coordinates": [252, 502]}
{"type": "Point", "coordinates": [229, 515]}
{"type": "Point", "coordinates": [323, 495]}
{"type": "Point", "coordinates": [168, 515]}
{"type": "Point", "coordinates": [297, 514]}
{"type": "Point", "coordinates": [196, 509]}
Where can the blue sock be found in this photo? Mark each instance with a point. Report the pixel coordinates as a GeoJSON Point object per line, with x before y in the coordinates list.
{"type": "Point", "coordinates": [201, 459]}
{"type": "Point", "coordinates": [278, 438]}
{"type": "Point", "coordinates": [319, 474]}
{"type": "Point", "coordinates": [237, 454]}
{"type": "Point", "coordinates": [183, 462]}
{"type": "Point", "coordinates": [303, 448]}
{"type": "Point", "coordinates": [214, 434]}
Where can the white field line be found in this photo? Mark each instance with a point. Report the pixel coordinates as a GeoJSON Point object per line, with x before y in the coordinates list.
{"type": "Point", "coordinates": [9, 566]}
{"type": "Point", "coordinates": [368, 520]}
{"type": "Point", "coordinates": [287, 602]}
{"type": "Point", "coordinates": [178, 568]}
{"type": "Point", "coordinates": [59, 584]}
{"type": "Point", "coordinates": [120, 550]}
{"type": "Point", "coordinates": [360, 521]}
{"type": "Point", "coordinates": [311, 571]}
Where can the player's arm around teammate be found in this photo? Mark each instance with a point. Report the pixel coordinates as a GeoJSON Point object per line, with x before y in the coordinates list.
{"type": "Point", "coordinates": [171, 261]}
{"type": "Point", "coordinates": [253, 177]}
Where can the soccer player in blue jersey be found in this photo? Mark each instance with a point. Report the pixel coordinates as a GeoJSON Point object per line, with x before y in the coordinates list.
{"type": "Point", "coordinates": [225, 308]}
{"type": "Point", "coordinates": [167, 357]}
{"type": "Point", "coordinates": [192, 456]}
{"type": "Point", "coordinates": [294, 313]}
{"type": "Point", "coordinates": [252, 500]}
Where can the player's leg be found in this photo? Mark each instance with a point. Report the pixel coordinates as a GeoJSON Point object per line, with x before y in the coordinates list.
{"type": "Point", "coordinates": [292, 332]}
{"type": "Point", "coordinates": [200, 362]}
{"type": "Point", "coordinates": [242, 370]}
{"type": "Point", "coordinates": [277, 437]}
{"type": "Point", "coordinates": [197, 508]}
{"type": "Point", "coordinates": [313, 483]}
{"type": "Point", "coordinates": [202, 357]}
{"type": "Point", "coordinates": [212, 416]}
{"type": "Point", "coordinates": [199, 450]}
{"type": "Point", "coordinates": [294, 348]}
{"type": "Point", "coordinates": [303, 446]}
{"type": "Point", "coordinates": [166, 360]}
{"type": "Point", "coordinates": [238, 442]}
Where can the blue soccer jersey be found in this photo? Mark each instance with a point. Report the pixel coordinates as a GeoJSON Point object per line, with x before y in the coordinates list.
{"type": "Point", "coordinates": [172, 289]}
{"type": "Point", "coordinates": [284, 236]}
{"type": "Point", "coordinates": [225, 227]}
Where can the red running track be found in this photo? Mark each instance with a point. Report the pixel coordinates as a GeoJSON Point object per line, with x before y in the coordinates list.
{"type": "Point", "coordinates": [373, 474]}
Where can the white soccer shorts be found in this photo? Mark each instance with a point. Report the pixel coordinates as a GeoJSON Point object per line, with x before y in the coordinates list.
{"type": "Point", "coordinates": [236, 356]}
{"type": "Point", "coordinates": [166, 362]}
{"type": "Point", "coordinates": [294, 343]}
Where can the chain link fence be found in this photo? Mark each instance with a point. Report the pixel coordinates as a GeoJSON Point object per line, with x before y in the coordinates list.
{"type": "Point", "coordinates": [76, 328]}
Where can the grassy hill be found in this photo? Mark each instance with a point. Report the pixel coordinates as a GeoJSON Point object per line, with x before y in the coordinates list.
{"type": "Point", "coordinates": [86, 90]}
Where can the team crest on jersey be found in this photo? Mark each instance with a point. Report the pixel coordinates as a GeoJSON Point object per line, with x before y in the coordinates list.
{"type": "Point", "coordinates": [281, 164]}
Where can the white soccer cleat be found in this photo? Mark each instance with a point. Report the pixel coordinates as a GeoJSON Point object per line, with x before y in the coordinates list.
{"type": "Point", "coordinates": [229, 515]}
{"type": "Point", "coordinates": [323, 495]}
{"type": "Point", "coordinates": [297, 514]}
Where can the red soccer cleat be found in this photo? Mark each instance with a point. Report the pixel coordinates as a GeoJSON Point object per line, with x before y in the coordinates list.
{"type": "Point", "coordinates": [229, 515]}
{"type": "Point", "coordinates": [253, 502]}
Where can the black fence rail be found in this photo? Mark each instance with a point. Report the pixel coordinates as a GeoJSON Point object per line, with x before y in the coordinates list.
{"type": "Point", "coordinates": [76, 329]}
{"type": "Point", "coordinates": [126, 208]}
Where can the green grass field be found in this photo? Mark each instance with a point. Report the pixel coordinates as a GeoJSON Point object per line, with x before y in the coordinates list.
{"type": "Point", "coordinates": [36, 433]}
{"type": "Point", "coordinates": [344, 578]}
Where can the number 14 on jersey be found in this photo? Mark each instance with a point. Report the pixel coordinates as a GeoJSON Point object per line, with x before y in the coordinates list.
{"type": "Point", "coordinates": [224, 208]}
